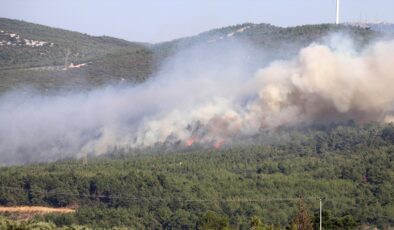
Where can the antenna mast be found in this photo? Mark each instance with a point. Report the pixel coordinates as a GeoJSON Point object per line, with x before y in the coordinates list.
{"type": "Point", "coordinates": [338, 8]}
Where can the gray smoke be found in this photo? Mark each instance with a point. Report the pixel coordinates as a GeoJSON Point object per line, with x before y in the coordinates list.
{"type": "Point", "coordinates": [207, 95]}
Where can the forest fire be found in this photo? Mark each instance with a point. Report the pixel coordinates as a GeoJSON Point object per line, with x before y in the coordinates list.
{"type": "Point", "coordinates": [192, 140]}
{"type": "Point", "coordinates": [189, 142]}
{"type": "Point", "coordinates": [218, 144]}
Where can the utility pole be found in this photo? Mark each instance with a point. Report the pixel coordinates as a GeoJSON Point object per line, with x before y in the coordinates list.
{"type": "Point", "coordinates": [85, 159]}
{"type": "Point", "coordinates": [320, 214]}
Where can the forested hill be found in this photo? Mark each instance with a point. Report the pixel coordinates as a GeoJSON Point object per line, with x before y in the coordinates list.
{"type": "Point", "coordinates": [54, 59]}
{"type": "Point", "coordinates": [51, 59]}
{"type": "Point", "coordinates": [350, 167]}
{"type": "Point", "coordinates": [26, 44]}
{"type": "Point", "coordinates": [276, 42]}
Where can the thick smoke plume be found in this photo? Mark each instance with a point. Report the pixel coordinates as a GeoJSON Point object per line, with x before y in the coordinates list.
{"type": "Point", "coordinates": [203, 95]}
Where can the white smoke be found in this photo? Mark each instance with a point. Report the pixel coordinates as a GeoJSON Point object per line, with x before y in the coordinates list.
{"type": "Point", "coordinates": [206, 96]}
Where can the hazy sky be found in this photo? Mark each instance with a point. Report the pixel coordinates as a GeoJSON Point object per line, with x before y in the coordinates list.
{"type": "Point", "coordinates": [161, 20]}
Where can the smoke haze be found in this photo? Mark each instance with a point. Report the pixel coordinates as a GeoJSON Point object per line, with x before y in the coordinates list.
{"type": "Point", "coordinates": [206, 95]}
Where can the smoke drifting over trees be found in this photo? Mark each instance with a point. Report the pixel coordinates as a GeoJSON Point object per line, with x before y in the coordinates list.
{"type": "Point", "coordinates": [207, 94]}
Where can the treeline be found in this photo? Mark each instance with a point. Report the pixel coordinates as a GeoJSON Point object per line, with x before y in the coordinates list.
{"type": "Point", "coordinates": [210, 220]}
{"type": "Point", "coordinates": [350, 167]}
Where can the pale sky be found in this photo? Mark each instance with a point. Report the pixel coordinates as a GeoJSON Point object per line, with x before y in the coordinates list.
{"type": "Point", "coordinates": [162, 20]}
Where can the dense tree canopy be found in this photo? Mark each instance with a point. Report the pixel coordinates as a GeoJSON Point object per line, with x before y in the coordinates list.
{"type": "Point", "coordinates": [350, 166]}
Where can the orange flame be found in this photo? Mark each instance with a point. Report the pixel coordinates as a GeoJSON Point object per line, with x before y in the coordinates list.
{"type": "Point", "coordinates": [189, 142]}
{"type": "Point", "coordinates": [218, 144]}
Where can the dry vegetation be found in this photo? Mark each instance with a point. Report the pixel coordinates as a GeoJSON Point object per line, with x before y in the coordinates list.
{"type": "Point", "coordinates": [28, 212]}
{"type": "Point", "coordinates": [36, 209]}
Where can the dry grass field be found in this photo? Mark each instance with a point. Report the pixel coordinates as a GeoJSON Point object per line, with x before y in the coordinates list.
{"type": "Point", "coordinates": [35, 209]}
{"type": "Point", "coordinates": [28, 212]}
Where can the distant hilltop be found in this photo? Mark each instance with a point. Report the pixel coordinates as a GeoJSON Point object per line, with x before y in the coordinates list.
{"type": "Point", "coordinates": [51, 59]}
{"type": "Point", "coordinates": [379, 26]}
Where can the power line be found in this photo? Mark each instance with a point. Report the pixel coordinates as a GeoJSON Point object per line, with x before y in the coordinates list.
{"type": "Point", "coordinates": [154, 198]}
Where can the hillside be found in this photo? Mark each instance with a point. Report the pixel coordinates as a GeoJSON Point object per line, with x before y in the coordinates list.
{"type": "Point", "coordinates": [382, 27]}
{"type": "Point", "coordinates": [37, 45]}
{"type": "Point", "coordinates": [53, 60]}
{"type": "Point", "coordinates": [351, 167]}
{"type": "Point", "coordinates": [250, 176]}
{"type": "Point", "coordinates": [275, 42]}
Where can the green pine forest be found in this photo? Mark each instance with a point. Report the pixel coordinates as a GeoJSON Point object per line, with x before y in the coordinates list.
{"type": "Point", "coordinates": [240, 186]}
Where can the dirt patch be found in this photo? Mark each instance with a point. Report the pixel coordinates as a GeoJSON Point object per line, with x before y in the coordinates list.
{"type": "Point", "coordinates": [28, 212]}
{"type": "Point", "coordinates": [35, 209]}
